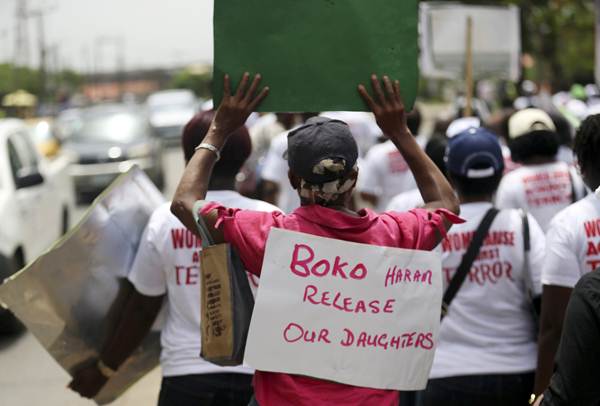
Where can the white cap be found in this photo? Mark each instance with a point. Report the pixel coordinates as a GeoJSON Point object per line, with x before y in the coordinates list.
{"type": "Point", "coordinates": [462, 124]}
{"type": "Point", "coordinates": [529, 120]}
{"type": "Point", "coordinates": [598, 193]}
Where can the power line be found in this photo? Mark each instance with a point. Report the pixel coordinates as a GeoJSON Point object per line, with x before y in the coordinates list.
{"type": "Point", "coordinates": [21, 51]}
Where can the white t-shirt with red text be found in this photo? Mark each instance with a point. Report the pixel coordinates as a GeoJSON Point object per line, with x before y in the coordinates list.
{"type": "Point", "coordinates": [384, 173]}
{"type": "Point", "coordinates": [573, 243]}
{"type": "Point", "coordinates": [543, 190]}
{"type": "Point", "coordinates": [489, 328]}
{"type": "Point", "coordinates": [167, 262]}
{"type": "Point", "coordinates": [406, 201]}
{"type": "Point", "coordinates": [275, 169]}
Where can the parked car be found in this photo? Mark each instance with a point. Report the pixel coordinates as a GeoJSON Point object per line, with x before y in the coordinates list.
{"type": "Point", "coordinates": [109, 141]}
{"type": "Point", "coordinates": [170, 110]}
{"type": "Point", "coordinates": [36, 201]}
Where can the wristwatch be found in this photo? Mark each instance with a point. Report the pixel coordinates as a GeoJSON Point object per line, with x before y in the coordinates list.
{"type": "Point", "coordinates": [104, 369]}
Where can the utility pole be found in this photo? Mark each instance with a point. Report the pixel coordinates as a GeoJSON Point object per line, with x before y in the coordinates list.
{"type": "Point", "coordinates": [4, 57]}
{"type": "Point", "coordinates": [21, 51]}
{"type": "Point", "coordinates": [39, 15]}
{"type": "Point", "coordinates": [118, 44]}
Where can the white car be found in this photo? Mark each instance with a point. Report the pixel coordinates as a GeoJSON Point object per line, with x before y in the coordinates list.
{"type": "Point", "coordinates": [36, 199]}
{"type": "Point", "coordinates": [170, 110]}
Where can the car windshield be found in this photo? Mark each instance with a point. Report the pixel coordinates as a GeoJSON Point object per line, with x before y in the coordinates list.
{"type": "Point", "coordinates": [122, 127]}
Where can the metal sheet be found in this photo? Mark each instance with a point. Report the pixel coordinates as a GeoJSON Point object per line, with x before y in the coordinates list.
{"type": "Point", "coordinates": [69, 297]}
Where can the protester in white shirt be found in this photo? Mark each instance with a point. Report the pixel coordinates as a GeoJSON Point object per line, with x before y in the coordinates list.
{"type": "Point", "coordinates": [565, 132]}
{"type": "Point", "coordinates": [384, 173]}
{"type": "Point", "coordinates": [486, 349]}
{"type": "Point", "coordinates": [362, 125]}
{"type": "Point", "coordinates": [275, 185]}
{"type": "Point", "coordinates": [166, 270]}
{"type": "Point", "coordinates": [543, 186]}
{"type": "Point", "coordinates": [268, 127]}
{"type": "Point", "coordinates": [436, 151]}
{"type": "Point", "coordinates": [573, 249]}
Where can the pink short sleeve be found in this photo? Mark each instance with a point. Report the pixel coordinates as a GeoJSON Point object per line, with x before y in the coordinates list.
{"type": "Point", "coordinates": [246, 230]}
{"type": "Point", "coordinates": [424, 227]}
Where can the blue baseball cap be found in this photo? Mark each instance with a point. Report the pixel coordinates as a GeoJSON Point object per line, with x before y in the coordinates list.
{"type": "Point", "coordinates": [475, 154]}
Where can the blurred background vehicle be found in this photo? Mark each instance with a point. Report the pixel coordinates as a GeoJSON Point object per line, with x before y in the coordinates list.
{"type": "Point", "coordinates": [66, 123]}
{"type": "Point", "coordinates": [44, 137]}
{"type": "Point", "coordinates": [170, 110]}
{"type": "Point", "coordinates": [109, 140]}
{"type": "Point", "coordinates": [36, 200]}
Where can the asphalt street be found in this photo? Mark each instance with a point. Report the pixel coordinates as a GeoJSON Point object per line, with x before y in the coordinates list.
{"type": "Point", "coordinates": [30, 377]}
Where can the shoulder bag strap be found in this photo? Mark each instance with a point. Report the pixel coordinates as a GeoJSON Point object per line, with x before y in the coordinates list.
{"type": "Point", "coordinates": [526, 238]}
{"type": "Point", "coordinates": [526, 249]}
{"type": "Point", "coordinates": [468, 259]}
{"type": "Point", "coordinates": [573, 191]}
{"type": "Point", "coordinates": [207, 239]}
{"type": "Point", "coordinates": [527, 265]}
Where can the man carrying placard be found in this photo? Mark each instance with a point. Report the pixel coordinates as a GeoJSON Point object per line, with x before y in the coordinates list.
{"type": "Point", "coordinates": [322, 156]}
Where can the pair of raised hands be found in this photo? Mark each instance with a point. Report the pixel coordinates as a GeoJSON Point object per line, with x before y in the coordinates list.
{"type": "Point", "coordinates": [386, 104]}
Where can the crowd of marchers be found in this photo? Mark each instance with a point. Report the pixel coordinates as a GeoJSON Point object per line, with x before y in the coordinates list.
{"type": "Point", "coordinates": [526, 178]}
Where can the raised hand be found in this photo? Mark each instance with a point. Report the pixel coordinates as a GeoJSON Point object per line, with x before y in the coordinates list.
{"type": "Point", "coordinates": [387, 106]}
{"type": "Point", "coordinates": [235, 109]}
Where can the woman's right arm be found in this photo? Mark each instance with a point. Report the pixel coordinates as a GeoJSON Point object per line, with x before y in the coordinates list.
{"type": "Point", "coordinates": [388, 107]}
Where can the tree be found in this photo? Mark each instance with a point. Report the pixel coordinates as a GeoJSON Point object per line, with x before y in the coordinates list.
{"type": "Point", "coordinates": [16, 77]}
{"type": "Point", "coordinates": [199, 82]}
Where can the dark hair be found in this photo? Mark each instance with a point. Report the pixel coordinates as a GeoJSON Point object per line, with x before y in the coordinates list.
{"type": "Point", "coordinates": [436, 151]}
{"type": "Point", "coordinates": [537, 143]}
{"type": "Point", "coordinates": [440, 126]}
{"type": "Point", "coordinates": [413, 120]}
{"type": "Point", "coordinates": [587, 144]}
{"type": "Point", "coordinates": [563, 128]}
{"type": "Point", "coordinates": [233, 155]}
{"type": "Point", "coordinates": [498, 123]}
{"type": "Point", "coordinates": [475, 187]}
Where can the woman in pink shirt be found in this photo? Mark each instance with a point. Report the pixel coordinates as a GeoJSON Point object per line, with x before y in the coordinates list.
{"type": "Point", "coordinates": [322, 158]}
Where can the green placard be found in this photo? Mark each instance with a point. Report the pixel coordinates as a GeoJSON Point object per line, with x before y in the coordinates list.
{"type": "Point", "coordinates": [314, 53]}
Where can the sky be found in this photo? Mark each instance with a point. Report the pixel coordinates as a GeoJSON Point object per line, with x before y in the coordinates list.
{"type": "Point", "coordinates": [84, 33]}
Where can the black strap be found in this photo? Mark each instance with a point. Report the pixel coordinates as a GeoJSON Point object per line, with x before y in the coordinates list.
{"type": "Point", "coordinates": [468, 259]}
{"type": "Point", "coordinates": [526, 238]}
{"type": "Point", "coordinates": [534, 301]}
{"type": "Point", "coordinates": [573, 191]}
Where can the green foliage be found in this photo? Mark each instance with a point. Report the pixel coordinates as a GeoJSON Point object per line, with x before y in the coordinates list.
{"type": "Point", "coordinates": [198, 82]}
{"type": "Point", "coordinates": [13, 78]}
